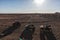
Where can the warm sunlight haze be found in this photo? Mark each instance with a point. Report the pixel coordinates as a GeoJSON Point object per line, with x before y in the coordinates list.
{"type": "Point", "coordinates": [39, 2]}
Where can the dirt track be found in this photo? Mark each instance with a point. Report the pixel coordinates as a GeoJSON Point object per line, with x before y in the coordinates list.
{"type": "Point", "coordinates": [36, 19]}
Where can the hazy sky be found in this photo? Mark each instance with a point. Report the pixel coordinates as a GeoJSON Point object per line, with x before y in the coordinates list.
{"type": "Point", "coordinates": [18, 6]}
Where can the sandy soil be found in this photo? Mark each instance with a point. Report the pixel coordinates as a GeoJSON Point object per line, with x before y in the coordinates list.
{"type": "Point", "coordinates": [36, 19]}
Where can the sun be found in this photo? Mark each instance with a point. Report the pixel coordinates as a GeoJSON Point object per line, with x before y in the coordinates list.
{"type": "Point", "coordinates": [38, 2]}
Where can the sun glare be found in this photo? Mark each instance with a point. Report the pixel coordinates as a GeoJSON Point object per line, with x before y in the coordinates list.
{"type": "Point", "coordinates": [38, 2]}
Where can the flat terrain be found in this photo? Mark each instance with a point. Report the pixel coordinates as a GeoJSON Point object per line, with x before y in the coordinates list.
{"type": "Point", "coordinates": [36, 19]}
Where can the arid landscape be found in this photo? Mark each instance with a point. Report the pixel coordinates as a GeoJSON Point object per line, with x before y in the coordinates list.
{"type": "Point", "coordinates": [6, 21]}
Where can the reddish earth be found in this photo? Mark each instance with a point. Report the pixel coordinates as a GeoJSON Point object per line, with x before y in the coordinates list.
{"type": "Point", "coordinates": [36, 19]}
